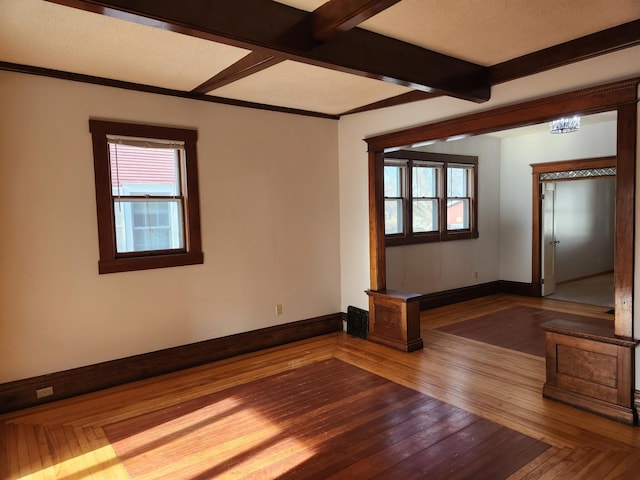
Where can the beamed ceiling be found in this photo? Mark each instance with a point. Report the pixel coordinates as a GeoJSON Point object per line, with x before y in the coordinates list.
{"type": "Point", "coordinates": [310, 56]}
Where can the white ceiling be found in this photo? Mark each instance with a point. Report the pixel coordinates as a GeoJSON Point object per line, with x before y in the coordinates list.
{"type": "Point", "coordinates": [42, 34]}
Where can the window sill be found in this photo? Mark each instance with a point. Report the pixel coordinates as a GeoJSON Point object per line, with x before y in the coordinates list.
{"type": "Point", "coordinates": [149, 262]}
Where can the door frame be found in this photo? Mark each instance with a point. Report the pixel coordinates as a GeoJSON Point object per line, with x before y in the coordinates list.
{"type": "Point", "coordinates": [536, 234]}
{"type": "Point", "coordinates": [547, 238]}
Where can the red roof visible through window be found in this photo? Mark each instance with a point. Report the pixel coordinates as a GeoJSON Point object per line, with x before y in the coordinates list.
{"type": "Point", "coordinates": [142, 165]}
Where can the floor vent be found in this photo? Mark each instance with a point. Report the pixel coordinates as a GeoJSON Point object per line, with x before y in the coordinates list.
{"type": "Point", "coordinates": [357, 322]}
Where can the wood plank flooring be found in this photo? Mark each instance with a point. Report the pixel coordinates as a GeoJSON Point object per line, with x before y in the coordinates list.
{"type": "Point", "coordinates": [312, 422]}
{"type": "Point", "coordinates": [516, 328]}
{"type": "Point", "coordinates": [75, 438]}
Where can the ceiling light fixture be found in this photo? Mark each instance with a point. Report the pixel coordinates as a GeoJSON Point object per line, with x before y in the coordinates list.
{"type": "Point", "coordinates": [565, 125]}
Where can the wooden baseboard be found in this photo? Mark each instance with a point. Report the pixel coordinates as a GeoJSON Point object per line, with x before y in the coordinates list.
{"type": "Point", "coordinates": [22, 393]}
{"type": "Point", "coordinates": [457, 295]}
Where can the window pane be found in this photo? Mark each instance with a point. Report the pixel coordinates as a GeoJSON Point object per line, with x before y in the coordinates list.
{"type": "Point", "coordinates": [143, 225]}
{"type": "Point", "coordinates": [393, 216]}
{"type": "Point", "coordinates": [143, 171]}
{"type": "Point", "coordinates": [425, 215]}
{"type": "Point", "coordinates": [424, 182]}
{"type": "Point", "coordinates": [457, 182]}
{"type": "Point", "coordinates": [458, 214]}
{"type": "Point", "coordinates": [393, 181]}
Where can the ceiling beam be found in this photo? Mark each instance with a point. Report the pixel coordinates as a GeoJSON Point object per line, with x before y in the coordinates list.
{"type": "Point", "coordinates": [328, 19]}
{"type": "Point", "coordinates": [583, 48]}
{"type": "Point", "coordinates": [337, 16]}
{"type": "Point", "coordinates": [408, 97]}
{"type": "Point", "coordinates": [259, 25]}
{"type": "Point", "coordinates": [247, 65]}
{"type": "Point", "coordinates": [599, 43]}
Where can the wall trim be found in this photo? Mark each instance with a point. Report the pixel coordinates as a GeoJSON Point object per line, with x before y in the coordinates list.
{"type": "Point", "coordinates": [21, 394]}
{"type": "Point", "coordinates": [457, 295]}
{"type": "Point", "coordinates": [139, 87]}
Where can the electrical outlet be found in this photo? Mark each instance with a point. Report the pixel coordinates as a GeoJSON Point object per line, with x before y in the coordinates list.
{"type": "Point", "coordinates": [44, 392]}
{"type": "Point", "coordinates": [475, 274]}
{"type": "Point", "coordinates": [279, 309]}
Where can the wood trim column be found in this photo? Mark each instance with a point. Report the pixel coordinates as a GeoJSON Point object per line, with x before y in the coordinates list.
{"type": "Point", "coordinates": [394, 317]}
{"type": "Point", "coordinates": [377, 254]}
{"type": "Point", "coordinates": [625, 219]}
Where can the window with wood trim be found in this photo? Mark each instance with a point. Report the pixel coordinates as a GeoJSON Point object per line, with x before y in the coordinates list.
{"type": "Point", "coordinates": [146, 196]}
{"type": "Point", "coordinates": [429, 197]}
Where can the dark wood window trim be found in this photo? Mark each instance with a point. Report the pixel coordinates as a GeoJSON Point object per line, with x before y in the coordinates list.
{"type": "Point", "coordinates": [441, 161]}
{"type": "Point", "coordinates": [110, 260]}
{"type": "Point", "coordinates": [620, 96]}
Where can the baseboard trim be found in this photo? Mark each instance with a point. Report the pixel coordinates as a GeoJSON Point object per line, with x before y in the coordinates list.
{"type": "Point", "coordinates": [69, 383]}
{"type": "Point", "coordinates": [457, 295]}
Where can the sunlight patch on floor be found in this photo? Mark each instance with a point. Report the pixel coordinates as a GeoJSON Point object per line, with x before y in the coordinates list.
{"type": "Point", "coordinates": [208, 442]}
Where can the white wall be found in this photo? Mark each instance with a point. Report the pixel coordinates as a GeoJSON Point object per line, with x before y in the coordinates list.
{"type": "Point", "coordinates": [432, 267]}
{"type": "Point", "coordinates": [585, 227]}
{"type": "Point", "coordinates": [354, 234]}
{"type": "Point", "coordinates": [518, 154]}
{"type": "Point", "coordinates": [269, 199]}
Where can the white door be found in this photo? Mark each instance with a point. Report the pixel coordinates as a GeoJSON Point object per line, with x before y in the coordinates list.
{"type": "Point", "coordinates": [548, 240]}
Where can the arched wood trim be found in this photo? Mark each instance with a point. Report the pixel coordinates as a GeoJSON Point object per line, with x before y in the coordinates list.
{"type": "Point", "coordinates": [586, 101]}
{"type": "Point", "coordinates": [620, 96]}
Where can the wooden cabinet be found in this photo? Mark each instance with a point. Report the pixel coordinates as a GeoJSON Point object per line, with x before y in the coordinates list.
{"type": "Point", "coordinates": [588, 366]}
{"type": "Point", "coordinates": [394, 319]}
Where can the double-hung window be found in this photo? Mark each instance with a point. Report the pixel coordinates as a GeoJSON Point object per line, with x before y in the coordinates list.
{"type": "Point", "coordinates": [425, 198]}
{"type": "Point", "coordinates": [394, 197]}
{"type": "Point", "coordinates": [429, 197]}
{"type": "Point", "coordinates": [147, 196]}
{"type": "Point", "coordinates": [459, 190]}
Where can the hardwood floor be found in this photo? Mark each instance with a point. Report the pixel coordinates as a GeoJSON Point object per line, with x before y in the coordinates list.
{"type": "Point", "coordinates": [517, 328]}
{"type": "Point", "coordinates": [69, 439]}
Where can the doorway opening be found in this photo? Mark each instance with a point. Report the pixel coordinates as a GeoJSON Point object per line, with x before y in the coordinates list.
{"type": "Point", "coordinates": [575, 229]}
{"type": "Point", "coordinates": [577, 235]}
{"type": "Point", "coordinates": [620, 97]}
